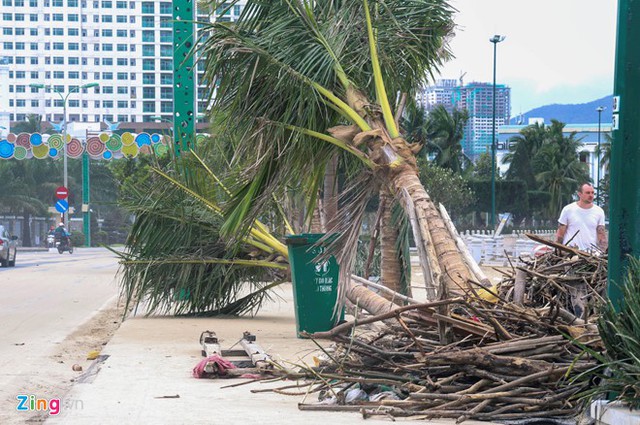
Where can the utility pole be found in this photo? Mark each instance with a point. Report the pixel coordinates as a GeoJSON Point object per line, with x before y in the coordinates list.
{"type": "Point", "coordinates": [624, 240]}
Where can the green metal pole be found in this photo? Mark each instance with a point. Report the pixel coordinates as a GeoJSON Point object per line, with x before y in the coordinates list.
{"type": "Point", "coordinates": [86, 199]}
{"type": "Point", "coordinates": [184, 99]}
{"type": "Point", "coordinates": [624, 198]}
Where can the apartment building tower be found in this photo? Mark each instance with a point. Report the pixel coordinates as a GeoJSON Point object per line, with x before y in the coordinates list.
{"type": "Point", "coordinates": [477, 99]}
{"type": "Point", "coordinates": [125, 46]}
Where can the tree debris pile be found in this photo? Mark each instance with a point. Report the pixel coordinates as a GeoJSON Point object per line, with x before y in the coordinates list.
{"type": "Point", "coordinates": [482, 356]}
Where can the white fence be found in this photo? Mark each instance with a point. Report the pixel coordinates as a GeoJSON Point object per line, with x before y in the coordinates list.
{"type": "Point", "coordinates": [489, 250]}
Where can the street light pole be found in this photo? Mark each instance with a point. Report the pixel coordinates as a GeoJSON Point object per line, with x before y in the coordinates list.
{"type": "Point", "coordinates": [64, 126]}
{"type": "Point", "coordinates": [598, 153]}
{"type": "Point", "coordinates": [495, 40]}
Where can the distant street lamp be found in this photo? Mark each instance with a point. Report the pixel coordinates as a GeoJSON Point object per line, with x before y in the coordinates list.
{"type": "Point", "coordinates": [495, 40]}
{"type": "Point", "coordinates": [64, 98]}
{"type": "Point", "coordinates": [598, 153]}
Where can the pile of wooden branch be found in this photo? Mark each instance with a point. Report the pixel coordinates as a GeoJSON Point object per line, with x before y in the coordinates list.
{"type": "Point", "coordinates": [505, 353]}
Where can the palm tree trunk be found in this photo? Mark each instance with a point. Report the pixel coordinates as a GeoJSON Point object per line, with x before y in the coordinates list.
{"type": "Point", "coordinates": [330, 195]}
{"type": "Point", "coordinates": [448, 264]}
{"type": "Point", "coordinates": [390, 267]}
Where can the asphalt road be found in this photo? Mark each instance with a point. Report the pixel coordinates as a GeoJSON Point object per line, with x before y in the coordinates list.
{"type": "Point", "coordinates": [44, 300]}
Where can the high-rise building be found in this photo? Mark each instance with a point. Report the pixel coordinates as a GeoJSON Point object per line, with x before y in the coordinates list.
{"type": "Point", "coordinates": [126, 46]}
{"type": "Point", "coordinates": [477, 99]}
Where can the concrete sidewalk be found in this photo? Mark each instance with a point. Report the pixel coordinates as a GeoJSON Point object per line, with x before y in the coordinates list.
{"type": "Point", "coordinates": [150, 362]}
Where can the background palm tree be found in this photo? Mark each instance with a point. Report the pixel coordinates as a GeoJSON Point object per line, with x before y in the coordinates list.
{"type": "Point", "coordinates": [522, 150]}
{"type": "Point", "coordinates": [444, 133]}
{"type": "Point", "coordinates": [558, 167]}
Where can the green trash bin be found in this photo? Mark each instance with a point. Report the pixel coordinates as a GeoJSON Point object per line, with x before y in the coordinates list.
{"type": "Point", "coordinates": [315, 284]}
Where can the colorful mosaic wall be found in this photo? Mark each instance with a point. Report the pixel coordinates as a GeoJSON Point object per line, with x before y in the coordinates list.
{"type": "Point", "coordinates": [101, 146]}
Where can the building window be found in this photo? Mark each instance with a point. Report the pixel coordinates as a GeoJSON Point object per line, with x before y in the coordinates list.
{"type": "Point", "coordinates": [107, 5]}
{"type": "Point", "coordinates": [166, 92]}
{"type": "Point", "coordinates": [20, 89]}
{"type": "Point", "coordinates": [148, 106]}
{"type": "Point", "coordinates": [166, 37]}
{"type": "Point", "coordinates": [122, 61]}
{"type": "Point", "coordinates": [7, 45]}
{"type": "Point", "coordinates": [58, 75]}
{"type": "Point", "coordinates": [148, 22]}
{"type": "Point", "coordinates": [107, 103]}
{"type": "Point", "coordinates": [147, 50]}
{"type": "Point", "coordinates": [73, 61]}
{"type": "Point", "coordinates": [122, 76]}
{"type": "Point", "coordinates": [58, 17]}
{"type": "Point", "coordinates": [121, 47]}
{"type": "Point", "coordinates": [33, 46]}
{"type": "Point", "coordinates": [58, 31]}
{"type": "Point", "coordinates": [21, 75]}
{"type": "Point", "coordinates": [165, 8]}
{"type": "Point", "coordinates": [121, 19]}
{"type": "Point", "coordinates": [166, 50]}
{"type": "Point", "coordinates": [123, 90]}
{"type": "Point", "coordinates": [148, 78]}
{"type": "Point", "coordinates": [107, 33]}
{"type": "Point", "coordinates": [107, 18]}
{"type": "Point", "coordinates": [34, 60]}
{"type": "Point", "coordinates": [148, 64]}
{"type": "Point", "coordinates": [33, 17]}
{"type": "Point", "coordinates": [7, 31]}
{"type": "Point", "coordinates": [121, 33]}
{"type": "Point", "coordinates": [74, 103]}
{"type": "Point", "coordinates": [107, 47]}
{"type": "Point", "coordinates": [107, 89]}
{"type": "Point", "coordinates": [19, 60]}
{"type": "Point", "coordinates": [58, 60]}
{"type": "Point", "coordinates": [73, 17]}
{"type": "Point", "coordinates": [19, 45]}
{"type": "Point", "coordinates": [121, 5]}
{"type": "Point", "coordinates": [57, 3]}
{"type": "Point", "coordinates": [34, 75]}
{"type": "Point", "coordinates": [21, 103]}
{"type": "Point", "coordinates": [147, 7]}
{"type": "Point", "coordinates": [107, 75]}
{"type": "Point", "coordinates": [148, 92]}
{"type": "Point", "coordinates": [72, 3]}
{"type": "Point", "coordinates": [7, 17]}
{"type": "Point", "coordinates": [122, 104]}
{"type": "Point", "coordinates": [35, 103]}
{"type": "Point", "coordinates": [73, 32]}
{"type": "Point", "coordinates": [74, 75]}
{"type": "Point", "coordinates": [166, 79]}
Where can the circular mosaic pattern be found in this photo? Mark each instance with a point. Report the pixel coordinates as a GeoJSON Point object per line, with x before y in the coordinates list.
{"type": "Point", "coordinates": [55, 141]}
{"type": "Point", "coordinates": [20, 152]}
{"type": "Point", "coordinates": [53, 152]}
{"type": "Point", "coordinates": [104, 137]}
{"type": "Point", "coordinates": [74, 148]}
{"type": "Point", "coordinates": [161, 149]}
{"type": "Point", "coordinates": [114, 143]}
{"type": "Point", "coordinates": [127, 138]}
{"type": "Point", "coordinates": [6, 149]}
{"type": "Point", "coordinates": [40, 151]}
{"type": "Point", "coordinates": [95, 147]}
{"type": "Point", "coordinates": [11, 138]}
{"type": "Point", "coordinates": [130, 151]}
{"type": "Point", "coordinates": [107, 155]}
{"type": "Point", "coordinates": [36, 139]}
{"type": "Point", "coordinates": [143, 139]}
{"type": "Point", "coordinates": [22, 140]}
{"type": "Point", "coordinates": [200, 138]}
{"type": "Point", "coordinates": [155, 138]}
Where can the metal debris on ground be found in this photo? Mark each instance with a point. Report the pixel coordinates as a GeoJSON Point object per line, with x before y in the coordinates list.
{"type": "Point", "coordinates": [251, 361]}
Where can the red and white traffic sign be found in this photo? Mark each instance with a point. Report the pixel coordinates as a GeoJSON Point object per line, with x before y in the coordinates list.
{"type": "Point", "coordinates": [62, 192]}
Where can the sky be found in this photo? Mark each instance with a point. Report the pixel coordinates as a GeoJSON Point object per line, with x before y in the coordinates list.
{"type": "Point", "coordinates": [555, 51]}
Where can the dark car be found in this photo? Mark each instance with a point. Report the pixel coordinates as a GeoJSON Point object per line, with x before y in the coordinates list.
{"type": "Point", "coordinates": [7, 248]}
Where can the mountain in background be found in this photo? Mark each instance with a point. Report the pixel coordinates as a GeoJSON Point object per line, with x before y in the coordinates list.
{"type": "Point", "coordinates": [582, 113]}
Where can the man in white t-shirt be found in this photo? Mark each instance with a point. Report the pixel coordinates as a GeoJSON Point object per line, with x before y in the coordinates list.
{"type": "Point", "coordinates": [581, 223]}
